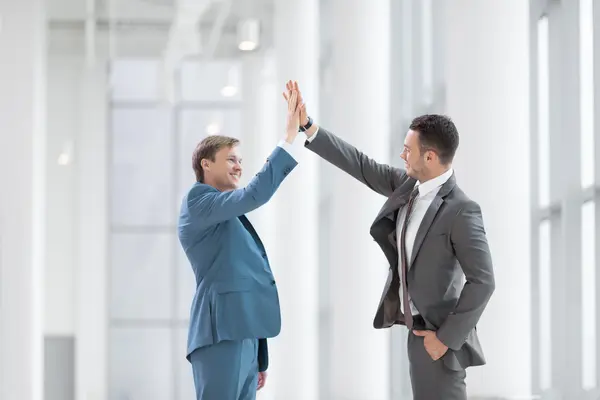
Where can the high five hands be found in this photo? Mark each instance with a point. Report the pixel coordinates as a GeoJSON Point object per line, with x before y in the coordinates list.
{"type": "Point", "coordinates": [291, 87]}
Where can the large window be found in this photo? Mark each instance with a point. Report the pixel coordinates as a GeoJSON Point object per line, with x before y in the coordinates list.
{"type": "Point", "coordinates": [151, 283]}
{"type": "Point", "coordinates": [588, 295]}
{"type": "Point", "coordinates": [545, 314]}
{"type": "Point", "coordinates": [564, 143]}
{"type": "Point", "coordinates": [543, 114]}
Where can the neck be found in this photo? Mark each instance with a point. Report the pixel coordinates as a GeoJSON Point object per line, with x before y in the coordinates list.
{"type": "Point", "coordinates": [211, 182]}
{"type": "Point", "coordinates": [435, 173]}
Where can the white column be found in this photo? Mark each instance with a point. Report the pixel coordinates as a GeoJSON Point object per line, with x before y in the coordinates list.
{"type": "Point", "coordinates": [294, 255]}
{"type": "Point", "coordinates": [358, 269]}
{"type": "Point", "coordinates": [22, 223]}
{"type": "Point", "coordinates": [486, 61]}
{"type": "Point", "coordinates": [92, 232]}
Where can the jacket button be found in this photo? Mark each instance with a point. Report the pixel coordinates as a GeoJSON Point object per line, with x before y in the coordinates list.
{"type": "Point", "coordinates": [273, 282]}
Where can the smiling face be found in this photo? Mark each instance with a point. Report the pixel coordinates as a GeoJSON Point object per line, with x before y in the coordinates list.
{"type": "Point", "coordinates": [429, 146]}
{"type": "Point", "coordinates": [415, 162]}
{"type": "Point", "coordinates": [225, 171]}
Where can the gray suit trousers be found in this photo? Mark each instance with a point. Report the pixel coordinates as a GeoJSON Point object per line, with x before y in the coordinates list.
{"type": "Point", "coordinates": [433, 380]}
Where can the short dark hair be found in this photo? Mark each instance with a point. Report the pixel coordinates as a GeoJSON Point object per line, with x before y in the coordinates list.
{"type": "Point", "coordinates": [437, 133]}
{"type": "Point", "coordinates": [207, 149]}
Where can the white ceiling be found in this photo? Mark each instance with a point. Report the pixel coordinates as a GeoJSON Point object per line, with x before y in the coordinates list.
{"type": "Point", "coordinates": [158, 22]}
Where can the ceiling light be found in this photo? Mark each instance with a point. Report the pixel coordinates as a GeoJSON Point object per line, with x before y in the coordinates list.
{"type": "Point", "coordinates": [229, 91]}
{"type": "Point", "coordinates": [248, 34]}
{"type": "Point", "coordinates": [213, 129]}
{"type": "Point", "coordinates": [231, 87]}
{"type": "Point", "coordinates": [64, 158]}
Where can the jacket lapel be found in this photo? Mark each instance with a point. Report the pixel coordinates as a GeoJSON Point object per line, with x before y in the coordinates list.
{"type": "Point", "coordinates": [430, 217]}
{"type": "Point", "coordinates": [392, 205]}
{"type": "Point", "coordinates": [244, 220]}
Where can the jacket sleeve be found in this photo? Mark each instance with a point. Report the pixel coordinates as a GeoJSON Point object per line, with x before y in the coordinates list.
{"type": "Point", "coordinates": [381, 178]}
{"type": "Point", "coordinates": [209, 207]}
{"type": "Point", "coordinates": [473, 253]}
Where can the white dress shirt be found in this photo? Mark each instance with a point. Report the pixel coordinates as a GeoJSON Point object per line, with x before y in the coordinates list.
{"type": "Point", "coordinates": [427, 192]}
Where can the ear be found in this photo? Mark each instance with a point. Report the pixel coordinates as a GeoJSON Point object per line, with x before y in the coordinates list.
{"type": "Point", "coordinates": [430, 155]}
{"type": "Point", "coordinates": [205, 164]}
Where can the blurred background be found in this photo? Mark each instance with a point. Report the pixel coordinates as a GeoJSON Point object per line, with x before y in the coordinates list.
{"type": "Point", "coordinates": [103, 101]}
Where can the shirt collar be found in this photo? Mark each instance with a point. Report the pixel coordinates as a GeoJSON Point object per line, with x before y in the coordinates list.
{"type": "Point", "coordinates": [426, 187]}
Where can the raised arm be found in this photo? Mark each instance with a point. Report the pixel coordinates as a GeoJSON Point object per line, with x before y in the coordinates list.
{"type": "Point", "coordinates": [209, 206]}
{"type": "Point", "coordinates": [381, 178]}
{"type": "Point", "coordinates": [473, 253]}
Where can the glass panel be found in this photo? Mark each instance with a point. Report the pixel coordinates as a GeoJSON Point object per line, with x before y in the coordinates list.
{"type": "Point", "coordinates": [586, 37]}
{"type": "Point", "coordinates": [588, 294]}
{"type": "Point", "coordinates": [136, 80]}
{"type": "Point", "coordinates": [141, 276]}
{"type": "Point", "coordinates": [211, 81]}
{"type": "Point", "coordinates": [195, 125]}
{"type": "Point", "coordinates": [543, 114]}
{"type": "Point", "coordinates": [545, 307]}
{"type": "Point", "coordinates": [142, 191]}
{"type": "Point", "coordinates": [140, 364]}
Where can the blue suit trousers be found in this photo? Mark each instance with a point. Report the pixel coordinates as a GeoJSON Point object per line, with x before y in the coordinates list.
{"type": "Point", "coordinates": [227, 370]}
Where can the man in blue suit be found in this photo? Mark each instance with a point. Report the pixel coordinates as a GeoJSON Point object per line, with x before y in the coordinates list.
{"type": "Point", "coordinates": [236, 306]}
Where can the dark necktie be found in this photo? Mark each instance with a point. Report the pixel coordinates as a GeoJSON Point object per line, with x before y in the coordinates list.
{"type": "Point", "coordinates": [408, 318]}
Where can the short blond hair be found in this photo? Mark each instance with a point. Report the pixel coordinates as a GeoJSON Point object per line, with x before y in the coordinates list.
{"type": "Point", "coordinates": [207, 149]}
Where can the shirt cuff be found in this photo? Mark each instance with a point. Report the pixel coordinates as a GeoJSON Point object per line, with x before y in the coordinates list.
{"type": "Point", "coordinates": [310, 139]}
{"type": "Point", "coordinates": [288, 148]}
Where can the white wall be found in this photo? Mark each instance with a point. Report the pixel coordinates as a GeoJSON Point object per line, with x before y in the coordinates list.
{"type": "Point", "coordinates": [487, 96]}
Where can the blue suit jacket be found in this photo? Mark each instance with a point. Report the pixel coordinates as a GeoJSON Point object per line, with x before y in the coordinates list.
{"type": "Point", "coordinates": [236, 295]}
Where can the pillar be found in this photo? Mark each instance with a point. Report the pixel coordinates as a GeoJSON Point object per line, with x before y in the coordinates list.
{"type": "Point", "coordinates": [22, 222]}
{"type": "Point", "coordinates": [486, 61]}
{"type": "Point", "coordinates": [359, 354]}
{"type": "Point", "coordinates": [91, 312]}
{"type": "Point", "coordinates": [294, 252]}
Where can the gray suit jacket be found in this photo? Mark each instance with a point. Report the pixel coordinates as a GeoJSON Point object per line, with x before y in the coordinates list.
{"type": "Point", "coordinates": [450, 243]}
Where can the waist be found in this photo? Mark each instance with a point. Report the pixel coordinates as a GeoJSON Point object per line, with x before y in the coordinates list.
{"type": "Point", "coordinates": [419, 323]}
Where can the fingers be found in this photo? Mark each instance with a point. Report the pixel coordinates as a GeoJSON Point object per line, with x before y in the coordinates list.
{"type": "Point", "coordinates": [262, 378]}
{"type": "Point", "coordinates": [285, 96]}
{"type": "Point", "coordinates": [293, 102]}
{"type": "Point", "coordinates": [422, 333]}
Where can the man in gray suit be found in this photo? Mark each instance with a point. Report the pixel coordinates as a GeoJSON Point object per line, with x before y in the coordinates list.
{"type": "Point", "coordinates": [434, 239]}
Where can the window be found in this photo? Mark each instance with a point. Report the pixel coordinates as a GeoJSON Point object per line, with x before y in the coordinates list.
{"type": "Point", "coordinates": [588, 294]}
{"type": "Point", "coordinates": [135, 80]}
{"type": "Point", "coordinates": [151, 147]}
{"type": "Point", "coordinates": [545, 342]}
{"type": "Point", "coordinates": [586, 61]}
{"type": "Point", "coordinates": [543, 98]}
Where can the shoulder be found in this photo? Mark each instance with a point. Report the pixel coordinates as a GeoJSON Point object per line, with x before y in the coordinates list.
{"type": "Point", "coordinates": [461, 203]}
{"type": "Point", "coordinates": [199, 189]}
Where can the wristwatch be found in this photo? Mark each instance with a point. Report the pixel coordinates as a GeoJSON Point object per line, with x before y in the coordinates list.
{"type": "Point", "coordinates": [307, 126]}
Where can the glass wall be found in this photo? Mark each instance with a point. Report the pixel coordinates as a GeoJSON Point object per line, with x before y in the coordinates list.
{"type": "Point", "coordinates": [151, 284]}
